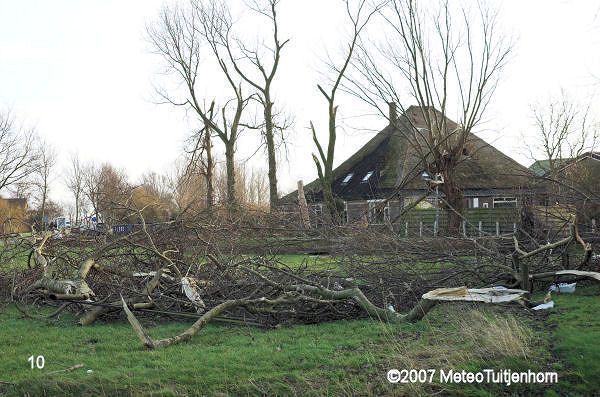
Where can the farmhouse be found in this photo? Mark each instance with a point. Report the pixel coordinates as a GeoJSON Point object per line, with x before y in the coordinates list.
{"type": "Point", "coordinates": [583, 170]}
{"type": "Point", "coordinates": [390, 167]}
{"type": "Point", "coordinates": [12, 215]}
{"type": "Point", "coordinates": [567, 185]}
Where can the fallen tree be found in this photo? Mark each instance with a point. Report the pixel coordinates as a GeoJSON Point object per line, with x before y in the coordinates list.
{"type": "Point", "coordinates": [423, 306]}
{"type": "Point", "coordinates": [196, 269]}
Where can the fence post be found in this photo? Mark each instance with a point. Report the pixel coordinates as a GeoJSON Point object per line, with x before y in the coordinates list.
{"type": "Point", "coordinates": [514, 227]}
{"type": "Point", "coordinates": [464, 225]}
{"type": "Point", "coordinates": [421, 229]}
{"type": "Point", "coordinates": [594, 225]}
{"type": "Point", "coordinates": [435, 228]}
{"type": "Point", "coordinates": [480, 229]}
{"type": "Point", "coordinates": [497, 228]}
{"type": "Point", "coordinates": [406, 229]}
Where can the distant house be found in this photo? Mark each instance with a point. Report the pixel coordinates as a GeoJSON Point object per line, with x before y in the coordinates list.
{"type": "Point", "coordinates": [13, 212]}
{"type": "Point", "coordinates": [573, 185]}
{"type": "Point", "coordinates": [588, 163]}
{"type": "Point", "coordinates": [389, 167]}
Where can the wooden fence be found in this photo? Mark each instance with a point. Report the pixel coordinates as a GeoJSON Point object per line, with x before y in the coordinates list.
{"type": "Point", "coordinates": [476, 222]}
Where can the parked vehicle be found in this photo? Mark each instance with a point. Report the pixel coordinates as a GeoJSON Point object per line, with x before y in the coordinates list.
{"type": "Point", "coordinates": [62, 222]}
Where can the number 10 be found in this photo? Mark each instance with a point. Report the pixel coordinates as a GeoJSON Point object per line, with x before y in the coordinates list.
{"type": "Point", "coordinates": [37, 362]}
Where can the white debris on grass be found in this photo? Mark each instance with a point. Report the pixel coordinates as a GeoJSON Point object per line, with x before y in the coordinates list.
{"type": "Point", "coordinates": [544, 306]}
{"type": "Point", "coordinates": [563, 288]}
{"type": "Point", "coordinates": [190, 287]}
{"type": "Point", "coordinates": [488, 295]}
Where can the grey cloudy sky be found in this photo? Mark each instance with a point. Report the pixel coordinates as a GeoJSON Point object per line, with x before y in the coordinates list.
{"type": "Point", "coordinates": [82, 73]}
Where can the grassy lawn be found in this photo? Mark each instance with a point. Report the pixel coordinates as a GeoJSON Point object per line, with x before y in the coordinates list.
{"type": "Point", "coordinates": [342, 358]}
{"type": "Point", "coordinates": [576, 323]}
{"type": "Point", "coordinates": [11, 258]}
{"type": "Point", "coordinates": [314, 262]}
{"type": "Point", "coordinates": [326, 262]}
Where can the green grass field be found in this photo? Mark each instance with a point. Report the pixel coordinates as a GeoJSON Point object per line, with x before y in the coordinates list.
{"type": "Point", "coordinates": [576, 340]}
{"type": "Point", "coordinates": [342, 358]}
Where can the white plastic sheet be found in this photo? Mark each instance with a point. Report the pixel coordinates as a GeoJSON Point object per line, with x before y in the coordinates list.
{"type": "Point", "coordinates": [563, 288]}
{"type": "Point", "coordinates": [544, 306]}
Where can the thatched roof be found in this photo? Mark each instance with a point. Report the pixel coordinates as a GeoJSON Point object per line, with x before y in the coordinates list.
{"type": "Point", "coordinates": [392, 157]}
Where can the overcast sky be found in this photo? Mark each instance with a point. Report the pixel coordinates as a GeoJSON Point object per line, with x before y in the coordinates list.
{"type": "Point", "coordinates": [82, 73]}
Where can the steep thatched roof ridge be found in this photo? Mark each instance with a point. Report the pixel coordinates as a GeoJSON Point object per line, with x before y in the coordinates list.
{"type": "Point", "coordinates": [347, 165]}
{"type": "Point", "coordinates": [391, 159]}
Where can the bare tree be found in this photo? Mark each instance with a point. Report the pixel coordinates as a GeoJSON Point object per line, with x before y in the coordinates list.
{"type": "Point", "coordinates": [114, 191]}
{"type": "Point", "coordinates": [188, 188]}
{"type": "Point", "coordinates": [324, 162]}
{"type": "Point", "coordinates": [444, 60]}
{"type": "Point", "coordinates": [257, 187]}
{"type": "Point", "coordinates": [91, 186]}
{"type": "Point", "coordinates": [43, 177]}
{"type": "Point", "coordinates": [259, 70]}
{"type": "Point", "coordinates": [179, 37]}
{"type": "Point", "coordinates": [200, 159]}
{"type": "Point", "coordinates": [564, 131]}
{"type": "Point", "coordinates": [74, 179]}
{"type": "Point", "coordinates": [17, 154]}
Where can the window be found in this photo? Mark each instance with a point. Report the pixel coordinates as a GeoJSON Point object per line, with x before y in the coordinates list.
{"type": "Point", "coordinates": [317, 210]}
{"type": "Point", "coordinates": [505, 202]}
{"type": "Point", "coordinates": [366, 177]}
{"type": "Point", "coordinates": [475, 202]}
{"type": "Point", "coordinates": [347, 179]}
{"type": "Point", "coordinates": [379, 213]}
{"type": "Point", "coordinates": [485, 205]}
{"type": "Point", "coordinates": [596, 156]}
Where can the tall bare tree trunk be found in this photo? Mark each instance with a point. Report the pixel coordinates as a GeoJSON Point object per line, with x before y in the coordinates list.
{"type": "Point", "coordinates": [76, 212]}
{"type": "Point", "coordinates": [303, 206]}
{"type": "Point", "coordinates": [209, 171]}
{"type": "Point", "coordinates": [271, 154]}
{"type": "Point", "coordinates": [454, 198]}
{"type": "Point", "coordinates": [43, 210]}
{"type": "Point", "coordinates": [324, 160]}
{"type": "Point", "coordinates": [231, 177]}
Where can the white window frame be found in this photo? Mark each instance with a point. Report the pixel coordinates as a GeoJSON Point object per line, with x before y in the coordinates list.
{"type": "Point", "coordinates": [367, 176]}
{"type": "Point", "coordinates": [386, 211]}
{"type": "Point", "coordinates": [475, 202]}
{"type": "Point", "coordinates": [504, 199]}
{"type": "Point", "coordinates": [347, 179]}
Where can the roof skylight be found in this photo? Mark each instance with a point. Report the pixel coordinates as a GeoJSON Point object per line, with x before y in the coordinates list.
{"type": "Point", "coordinates": [367, 176]}
{"type": "Point", "coordinates": [347, 178]}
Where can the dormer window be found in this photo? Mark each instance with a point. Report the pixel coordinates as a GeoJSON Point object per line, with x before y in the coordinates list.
{"type": "Point", "coordinates": [366, 177]}
{"type": "Point", "coordinates": [347, 178]}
